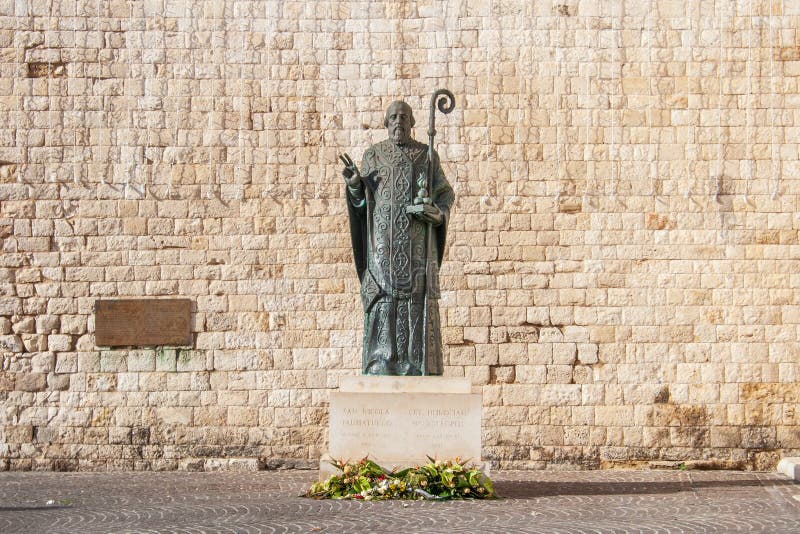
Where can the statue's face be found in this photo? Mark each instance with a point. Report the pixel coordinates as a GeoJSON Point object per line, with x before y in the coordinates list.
{"type": "Point", "coordinates": [399, 121]}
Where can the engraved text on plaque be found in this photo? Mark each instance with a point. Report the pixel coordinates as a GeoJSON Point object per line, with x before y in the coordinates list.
{"type": "Point", "coordinates": [143, 322]}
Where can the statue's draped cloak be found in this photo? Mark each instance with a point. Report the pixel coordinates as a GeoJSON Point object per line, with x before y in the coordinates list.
{"type": "Point", "coordinates": [389, 249]}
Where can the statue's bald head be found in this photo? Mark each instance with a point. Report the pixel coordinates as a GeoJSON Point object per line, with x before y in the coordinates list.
{"type": "Point", "coordinates": [399, 120]}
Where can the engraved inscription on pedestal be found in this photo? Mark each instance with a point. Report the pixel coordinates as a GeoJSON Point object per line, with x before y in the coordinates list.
{"type": "Point", "coordinates": [143, 322]}
{"type": "Point", "coordinates": [405, 427]}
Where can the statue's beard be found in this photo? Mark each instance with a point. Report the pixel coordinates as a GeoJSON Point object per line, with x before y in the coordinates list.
{"type": "Point", "coordinates": [399, 135]}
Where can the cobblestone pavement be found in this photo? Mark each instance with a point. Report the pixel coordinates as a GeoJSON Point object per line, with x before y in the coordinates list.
{"type": "Point", "coordinates": [534, 501]}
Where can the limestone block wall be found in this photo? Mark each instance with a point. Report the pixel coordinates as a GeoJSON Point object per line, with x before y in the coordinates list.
{"type": "Point", "coordinates": [621, 280]}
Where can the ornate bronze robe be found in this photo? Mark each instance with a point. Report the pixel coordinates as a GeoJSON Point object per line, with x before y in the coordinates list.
{"type": "Point", "coordinates": [389, 248]}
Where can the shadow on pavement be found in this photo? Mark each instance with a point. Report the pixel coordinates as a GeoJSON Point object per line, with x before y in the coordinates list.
{"type": "Point", "coordinates": [31, 508]}
{"type": "Point", "coordinates": [514, 489]}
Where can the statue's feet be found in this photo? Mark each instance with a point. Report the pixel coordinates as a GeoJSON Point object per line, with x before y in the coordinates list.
{"type": "Point", "coordinates": [380, 368]}
{"type": "Point", "coordinates": [406, 369]}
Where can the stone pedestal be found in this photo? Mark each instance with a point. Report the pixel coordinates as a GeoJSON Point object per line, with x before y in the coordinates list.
{"type": "Point", "coordinates": [399, 421]}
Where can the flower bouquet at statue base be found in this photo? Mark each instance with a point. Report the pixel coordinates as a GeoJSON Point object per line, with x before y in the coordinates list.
{"type": "Point", "coordinates": [436, 480]}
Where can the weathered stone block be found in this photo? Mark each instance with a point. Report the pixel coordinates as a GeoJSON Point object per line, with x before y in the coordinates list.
{"type": "Point", "coordinates": [59, 343]}
{"type": "Point", "coordinates": [11, 344]}
{"type": "Point", "coordinates": [31, 381]}
{"type": "Point", "coordinates": [58, 382]}
{"type": "Point", "coordinates": [25, 325]}
{"type": "Point", "coordinates": [48, 324]}
{"type": "Point", "coordinates": [141, 360]}
{"type": "Point", "coordinates": [19, 434]}
{"type": "Point", "coordinates": [166, 360]}
{"type": "Point", "coordinates": [34, 342]}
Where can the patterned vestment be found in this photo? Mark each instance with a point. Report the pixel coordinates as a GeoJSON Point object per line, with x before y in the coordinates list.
{"type": "Point", "coordinates": [394, 266]}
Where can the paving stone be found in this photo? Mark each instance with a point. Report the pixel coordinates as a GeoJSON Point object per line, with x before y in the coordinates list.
{"type": "Point", "coordinates": [615, 501]}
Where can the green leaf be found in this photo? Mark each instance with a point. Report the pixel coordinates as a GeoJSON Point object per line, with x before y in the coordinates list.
{"type": "Point", "coordinates": [361, 484]}
{"type": "Point", "coordinates": [487, 483]}
{"type": "Point", "coordinates": [403, 472]}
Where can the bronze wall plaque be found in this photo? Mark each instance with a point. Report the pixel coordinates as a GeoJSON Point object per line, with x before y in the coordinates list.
{"type": "Point", "coordinates": [142, 322]}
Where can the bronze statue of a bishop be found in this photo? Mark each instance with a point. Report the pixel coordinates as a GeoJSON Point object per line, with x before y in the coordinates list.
{"type": "Point", "coordinates": [399, 204]}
